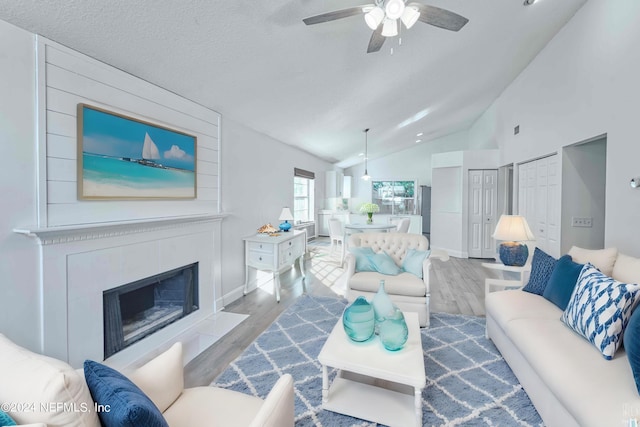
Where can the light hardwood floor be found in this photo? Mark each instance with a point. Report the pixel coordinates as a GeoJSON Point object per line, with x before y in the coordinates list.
{"type": "Point", "coordinates": [457, 288]}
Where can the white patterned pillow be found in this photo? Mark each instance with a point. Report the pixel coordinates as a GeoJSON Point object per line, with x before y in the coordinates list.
{"type": "Point", "coordinates": [599, 309]}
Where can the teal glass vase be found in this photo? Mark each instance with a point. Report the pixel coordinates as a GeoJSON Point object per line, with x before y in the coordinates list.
{"type": "Point", "coordinates": [382, 305]}
{"type": "Point", "coordinates": [393, 331]}
{"type": "Point", "coordinates": [358, 320]}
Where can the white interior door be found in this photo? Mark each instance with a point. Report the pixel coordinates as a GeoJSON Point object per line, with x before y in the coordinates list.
{"type": "Point", "coordinates": [483, 203]}
{"type": "Point", "coordinates": [539, 202]}
{"type": "Point", "coordinates": [475, 214]}
{"type": "Point", "coordinates": [553, 206]}
{"type": "Point", "coordinates": [539, 226]}
{"type": "Point", "coordinates": [490, 205]}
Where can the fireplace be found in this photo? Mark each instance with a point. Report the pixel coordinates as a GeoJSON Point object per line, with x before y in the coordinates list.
{"type": "Point", "coordinates": [136, 310]}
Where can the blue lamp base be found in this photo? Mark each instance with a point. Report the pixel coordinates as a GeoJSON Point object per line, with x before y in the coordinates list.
{"type": "Point", "coordinates": [514, 253]}
{"type": "Point", "coordinates": [285, 226]}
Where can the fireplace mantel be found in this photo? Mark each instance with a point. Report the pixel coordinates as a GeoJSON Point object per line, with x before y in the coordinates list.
{"type": "Point", "coordinates": [79, 262]}
{"type": "Point", "coordinates": [72, 233]}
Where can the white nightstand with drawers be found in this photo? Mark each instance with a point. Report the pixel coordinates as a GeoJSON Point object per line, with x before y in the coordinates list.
{"type": "Point", "coordinates": [274, 254]}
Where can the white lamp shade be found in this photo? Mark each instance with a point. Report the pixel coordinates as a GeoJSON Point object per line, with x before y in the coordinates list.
{"type": "Point", "coordinates": [410, 16]}
{"type": "Point", "coordinates": [374, 17]}
{"type": "Point", "coordinates": [390, 28]}
{"type": "Point", "coordinates": [366, 176]}
{"type": "Point", "coordinates": [513, 228]}
{"type": "Point", "coordinates": [394, 9]}
{"type": "Point", "coordinates": [286, 215]}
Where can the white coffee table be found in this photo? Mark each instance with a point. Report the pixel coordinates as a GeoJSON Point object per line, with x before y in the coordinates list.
{"type": "Point", "coordinates": [375, 384]}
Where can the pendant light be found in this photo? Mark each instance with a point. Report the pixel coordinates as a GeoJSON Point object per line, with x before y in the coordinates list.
{"type": "Point", "coordinates": [366, 176]}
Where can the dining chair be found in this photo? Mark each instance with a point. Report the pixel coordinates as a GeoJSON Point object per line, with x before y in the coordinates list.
{"type": "Point", "coordinates": [403, 225]}
{"type": "Point", "coordinates": [336, 234]}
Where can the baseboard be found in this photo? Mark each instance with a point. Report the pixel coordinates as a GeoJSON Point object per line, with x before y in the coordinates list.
{"type": "Point", "coordinates": [235, 294]}
{"type": "Point", "coordinates": [455, 254]}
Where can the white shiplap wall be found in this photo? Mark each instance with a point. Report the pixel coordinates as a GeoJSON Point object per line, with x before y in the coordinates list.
{"type": "Point", "coordinates": [67, 78]}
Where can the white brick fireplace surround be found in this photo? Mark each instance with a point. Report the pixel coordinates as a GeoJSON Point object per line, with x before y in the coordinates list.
{"type": "Point", "coordinates": [79, 262]}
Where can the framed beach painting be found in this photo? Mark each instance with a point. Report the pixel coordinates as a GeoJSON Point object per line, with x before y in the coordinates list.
{"type": "Point", "coordinates": [120, 157]}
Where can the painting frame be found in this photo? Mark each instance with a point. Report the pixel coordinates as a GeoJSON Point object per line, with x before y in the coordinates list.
{"type": "Point", "coordinates": [120, 157]}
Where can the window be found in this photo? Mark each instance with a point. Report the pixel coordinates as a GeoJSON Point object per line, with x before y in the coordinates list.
{"type": "Point", "coordinates": [394, 197]}
{"type": "Point", "coordinates": [303, 196]}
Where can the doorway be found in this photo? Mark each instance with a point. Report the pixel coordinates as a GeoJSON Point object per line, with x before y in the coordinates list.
{"type": "Point", "coordinates": [584, 170]}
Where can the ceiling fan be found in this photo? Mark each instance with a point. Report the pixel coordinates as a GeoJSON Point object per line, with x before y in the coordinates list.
{"type": "Point", "coordinates": [382, 17]}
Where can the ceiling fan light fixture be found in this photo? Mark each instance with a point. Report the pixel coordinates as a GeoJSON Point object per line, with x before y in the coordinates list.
{"type": "Point", "coordinates": [410, 16]}
{"type": "Point", "coordinates": [390, 28]}
{"type": "Point", "coordinates": [394, 8]}
{"type": "Point", "coordinates": [374, 17]}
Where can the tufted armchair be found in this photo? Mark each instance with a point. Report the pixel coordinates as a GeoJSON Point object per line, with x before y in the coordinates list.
{"type": "Point", "coordinates": [407, 291]}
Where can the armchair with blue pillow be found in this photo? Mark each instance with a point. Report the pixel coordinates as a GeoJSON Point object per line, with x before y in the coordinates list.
{"type": "Point", "coordinates": [49, 392]}
{"type": "Point", "coordinates": [402, 260]}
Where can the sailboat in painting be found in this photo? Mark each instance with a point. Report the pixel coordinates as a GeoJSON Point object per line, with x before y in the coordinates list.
{"type": "Point", "coordinates": [149, 149]}
{"type": "Point", "coordinates": [150, 153]}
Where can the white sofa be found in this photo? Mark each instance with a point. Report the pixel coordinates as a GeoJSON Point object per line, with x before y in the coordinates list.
{"type": "Point", "coordinates": [30, 380]}
{"type": "Point", "coordinates": [407, 291]}
{"type": "Point", "coordinates": [566, 377]}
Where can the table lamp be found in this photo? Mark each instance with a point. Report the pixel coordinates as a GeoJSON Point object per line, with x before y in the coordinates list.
{"type": "Point", "coordinates": [513, 229]}
{"type": "Point", "coordinates": [285, 216]}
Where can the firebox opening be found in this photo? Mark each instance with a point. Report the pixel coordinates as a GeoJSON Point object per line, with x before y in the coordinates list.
{"type": "Point", "coordinates": [136, 310]}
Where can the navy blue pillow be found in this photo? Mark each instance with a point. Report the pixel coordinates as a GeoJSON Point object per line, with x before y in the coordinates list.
{"type": "Point", "coordinates": [128, 405]}
{"type": "Point", "coordinates": [562, 281]}
{"type": "Point", "coordinates": [542, 266]}
{"type": "Point", "coordinates": [631, 342]}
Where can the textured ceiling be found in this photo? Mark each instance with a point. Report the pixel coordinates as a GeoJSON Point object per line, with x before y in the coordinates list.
{"type": "Point", "coordinates": [313, 87]}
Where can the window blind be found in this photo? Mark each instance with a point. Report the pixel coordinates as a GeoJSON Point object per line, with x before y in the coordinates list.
{"type": "Point", "coordinates": [301, 173]}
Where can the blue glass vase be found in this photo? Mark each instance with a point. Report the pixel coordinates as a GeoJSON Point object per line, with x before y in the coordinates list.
{"type": "Point", "coordinates": [358, 320]}
{"type": "Point", "coordinates": [382, 305]}
{"type": "Point", "coordinates": [393, 331]}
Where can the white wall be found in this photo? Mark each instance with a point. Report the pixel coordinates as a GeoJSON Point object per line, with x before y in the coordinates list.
{"type": "Point", "coordinates": [411, 164]}
{"type": "Point", "coordinates": [70, 78]}
{"type": "Point", "coordinates": [583, 84]}
{"type": "Point", "coordinates": [446, 209]}
{"type": "Point", "coordinates": [449, 197]}
{"type": "Point", "coordinates": [257, 181]}
{"type": "Point", "coordinates": [42, 83]}
{"type": "Point", "coordinates": [20, 314]}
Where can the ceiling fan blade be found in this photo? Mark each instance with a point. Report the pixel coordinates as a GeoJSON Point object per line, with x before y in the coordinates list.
{"type": "Point", "coordinates": [336, 14]}
{"type": "Point", "coordinates": [440, 18]}
{"type": "Point", "coordinates": [376, 41]}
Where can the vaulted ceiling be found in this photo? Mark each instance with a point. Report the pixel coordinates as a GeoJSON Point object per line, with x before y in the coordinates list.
{"type": "Point", "coordinates": [313, 87]}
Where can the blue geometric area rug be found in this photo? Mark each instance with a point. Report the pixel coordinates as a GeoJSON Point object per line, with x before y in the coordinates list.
{"type": "Point", "coordinates": [468, 381]}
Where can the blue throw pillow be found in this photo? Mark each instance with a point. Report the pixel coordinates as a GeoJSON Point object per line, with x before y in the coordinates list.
{"type": "Point", "coordinates": [562, 281]}
{"type": "Point", "coordinates": [6, 420]}
{"type": "Point", "coordinates": [632, 345]}
{"type": "Point", "coordinates": [383, 263]}
{"type": "Point", "coordinates": [128, 405]}
{"type": "Point", "coordinates": [362, 262]}
{"type": "Point", "coordinates": [542, 266]}
{"type": "Point", "coordinates": [413, 261]}
{"type": "Point", "coordinates": [600, 308]}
